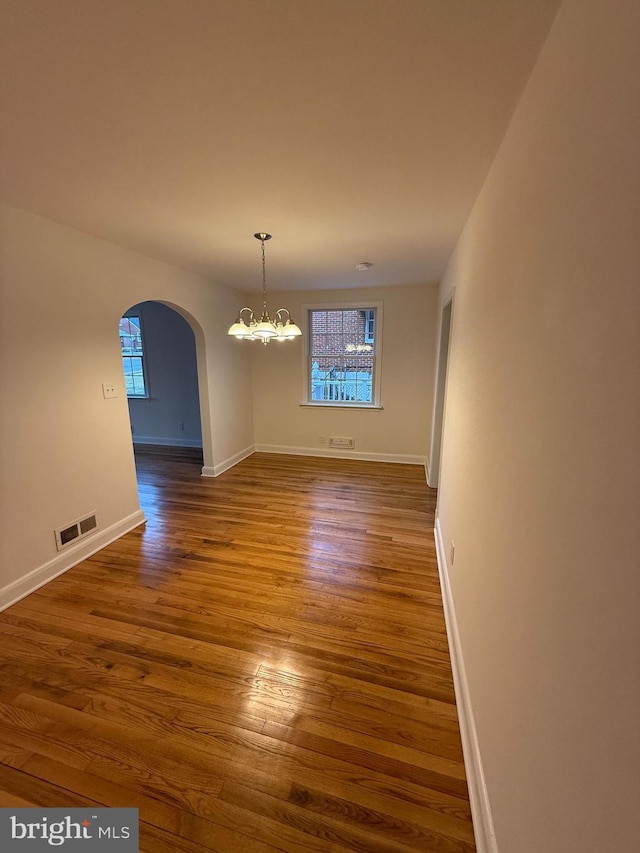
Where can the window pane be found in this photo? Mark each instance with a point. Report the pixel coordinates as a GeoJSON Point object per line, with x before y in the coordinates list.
{"type": "Point", "coordinates": [130, 335]}
{"type": "Point", "coordinates": [319, 322]}
{"type": "Point", "coordinates": [365, 384]}
{"type": "Point", "coordinates": [128, 377]}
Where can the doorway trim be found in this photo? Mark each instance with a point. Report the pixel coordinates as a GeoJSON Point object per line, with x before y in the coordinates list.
{"type": "Point", "coordinates": [437, 428]}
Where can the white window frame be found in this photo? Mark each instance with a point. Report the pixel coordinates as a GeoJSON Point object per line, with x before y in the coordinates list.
{"type": "Point", "coordinates": [376, 402]}
{"type": "Point", "coordinates": [146, 396]}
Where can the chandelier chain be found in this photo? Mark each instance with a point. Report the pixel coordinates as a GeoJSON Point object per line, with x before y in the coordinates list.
{"type": "Point", "coordinates": [264, 279]}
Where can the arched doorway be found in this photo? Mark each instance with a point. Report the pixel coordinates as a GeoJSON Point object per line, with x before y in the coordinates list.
{"type": "Point", "coordinates": [164, 367]}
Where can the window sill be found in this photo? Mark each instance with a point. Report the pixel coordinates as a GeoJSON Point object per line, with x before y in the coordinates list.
{"type": "Point", "coordinates": [350, 406]}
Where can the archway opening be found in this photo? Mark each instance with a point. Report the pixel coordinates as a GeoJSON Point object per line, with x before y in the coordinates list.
{"type": "Point", "coordinates": [164, 367]}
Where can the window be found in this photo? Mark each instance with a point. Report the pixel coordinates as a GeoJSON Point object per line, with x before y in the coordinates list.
{"type": "Point", "coordinates": [133, 356]}
{"type": "Point", "coordinates": [369, 325]}
{"type": "Point", "coordinates": [342, 355]}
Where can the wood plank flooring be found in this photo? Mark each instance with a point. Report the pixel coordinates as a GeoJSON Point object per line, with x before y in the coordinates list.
{"type": "Point", "coordinates": [263, 666]}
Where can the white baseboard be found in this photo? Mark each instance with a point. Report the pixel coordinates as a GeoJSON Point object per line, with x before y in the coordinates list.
{"type": "Point", "coordinates": [399, 458]}
{"type": "Point", "coordinates": [167, 442]}
{"type": "Point", "coordinates": [70, 557]}
{"type": "Point", "coordinates": [223, 466]}
{"type": "Point", "coordinates": [478, 794]}
{"type": "Point", "coordinates": [427, 472]}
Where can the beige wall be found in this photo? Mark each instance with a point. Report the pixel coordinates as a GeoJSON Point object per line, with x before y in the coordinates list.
{"type": "Point", "coordinates": [65, 450]}
{"type": "Point", "coordinates": [401, 428]}
{"type": "Point", "coordinates": [540, 478]}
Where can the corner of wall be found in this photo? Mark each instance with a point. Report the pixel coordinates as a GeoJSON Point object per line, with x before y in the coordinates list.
{"type": "Point", "coordinates": [221, 467]}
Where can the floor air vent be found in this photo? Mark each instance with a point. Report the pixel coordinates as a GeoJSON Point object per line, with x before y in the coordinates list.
{"type": "Point", "coordinates": [65, 536]}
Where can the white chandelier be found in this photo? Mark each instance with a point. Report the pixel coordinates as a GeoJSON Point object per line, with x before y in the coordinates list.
{"type": "Point", "coordinates": [281, 328]}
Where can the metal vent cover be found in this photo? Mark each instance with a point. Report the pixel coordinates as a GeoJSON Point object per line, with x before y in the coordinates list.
{"type": "Point", "coordinates": [79, 528]}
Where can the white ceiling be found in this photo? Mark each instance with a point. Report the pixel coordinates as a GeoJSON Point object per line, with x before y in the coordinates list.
{"type": "Point", "coordinates": [352, 130]}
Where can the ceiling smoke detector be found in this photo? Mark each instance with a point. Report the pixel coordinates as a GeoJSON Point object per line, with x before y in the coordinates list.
{"type": "Point", "coordinates": [364, 266]}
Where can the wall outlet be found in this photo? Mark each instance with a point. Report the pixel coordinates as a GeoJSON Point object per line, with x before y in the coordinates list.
{"type": "Point", "coordinates": [181, 426]}
{"type": "Point", "coordinates": [452, 552]}
{"type": "Point", "coordinates": [344, 443]}
{"type": "Point", "coordinates": [322, 439]}
{"type": "Point", "coordinates": [108, 390]}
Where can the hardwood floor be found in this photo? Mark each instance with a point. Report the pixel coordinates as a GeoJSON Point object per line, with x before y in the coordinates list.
{"type": "Point", "coordinates": [262, 667]}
